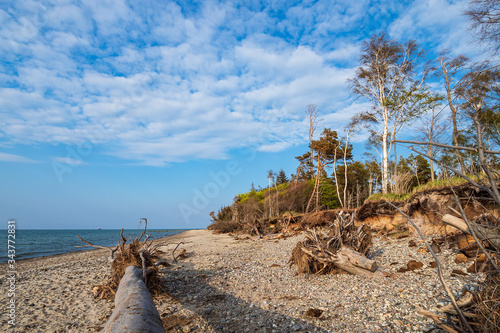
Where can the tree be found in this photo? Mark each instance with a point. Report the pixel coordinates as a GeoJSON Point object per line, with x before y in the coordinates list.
{"type": "Point", "coordinates": [326, 148]}
{"type": "Point", "coordinates": [355, 191]}
{"type": "Point", "coordinates": [352, 128]}
{"type": "Point", "coordinates": [281, 178]}
{"type": "Point", "coordinates": [388, 68]}
{"type": "Point", "coordinates": [451, 70]}
{"type": "Point", "coordinates": [374, 174]}
{"type": "Point", "coordinates": [312, 114]}
{"type": "Point", "coordinates": [271, 181]}
{"type": "Point", "coordinates": [481, 93]}
{"type": "Point", "coordinates": [432, 125]}
{"type": "Point", "coordinates": [484, 16]}
{"type": "Point", "coordinates": [304, 170]}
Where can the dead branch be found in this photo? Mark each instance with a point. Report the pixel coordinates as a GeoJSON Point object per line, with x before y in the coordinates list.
{"type": "Point", "coordinates": [436, 318]}
{"type": "Point", "coordinates": [143, 261]}
{"type": "Point", "coordinates": [174, 258]}
{"type": "Point", "coordinates": [466, 300]}
{"type": "Point", "coordinates": [100, 247]}
{"type": "Point", "coordinates": [145, 227]}
{"type": "Point", "coordinates": [429, 143]}
{"type": "Point", "coordinates": [439, 269]}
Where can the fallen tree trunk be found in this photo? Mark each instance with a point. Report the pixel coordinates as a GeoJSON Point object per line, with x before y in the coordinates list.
{"type": "Point", "coordinates": [134, 307]}
{"type": "Point", "coordinates": [350, 261]}
{"type": "Point", "coordinates": [357, 259]}
{"type": "Point", "coordinates": [488, 235]}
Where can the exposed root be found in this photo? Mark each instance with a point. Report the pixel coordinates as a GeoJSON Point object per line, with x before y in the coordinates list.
{"type": "Point", "coordinates": [341, 233]}
{"type": "Point", "coordinates": [138, 253]}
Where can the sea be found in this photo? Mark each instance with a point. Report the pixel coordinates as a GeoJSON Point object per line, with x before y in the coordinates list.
{"type": "Point", "coordinates": [30, 243]}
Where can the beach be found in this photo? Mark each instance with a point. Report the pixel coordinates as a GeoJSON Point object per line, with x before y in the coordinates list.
{"type": "Point", "coordinates": [226, 284]}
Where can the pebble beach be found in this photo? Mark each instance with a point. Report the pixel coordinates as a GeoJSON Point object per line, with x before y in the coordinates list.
{"type": "Point", "coordinates": [227, 284]}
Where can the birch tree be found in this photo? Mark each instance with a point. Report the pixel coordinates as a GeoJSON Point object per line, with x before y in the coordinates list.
{"type": "Point", "coordinates": [451, 71]}
{"type": "Point", "coordinates": [432, 126]}
{"type": "Point", "coordinates": [387, 69]}
{"type": "Point", "coordinates": [484, 16]}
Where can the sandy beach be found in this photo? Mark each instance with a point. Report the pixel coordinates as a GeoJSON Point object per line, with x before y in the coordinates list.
{"type": "Point", "coordinates": [231, 285]}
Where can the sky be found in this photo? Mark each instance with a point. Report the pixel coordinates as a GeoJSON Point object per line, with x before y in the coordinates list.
{"type": "Point", "coordinates": [112, 111]}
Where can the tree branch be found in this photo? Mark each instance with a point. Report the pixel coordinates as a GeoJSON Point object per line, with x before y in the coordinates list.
{"type": "Point", "coordinates": [445, 146]}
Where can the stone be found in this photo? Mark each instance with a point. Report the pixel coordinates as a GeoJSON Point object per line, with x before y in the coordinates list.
{"type": "Point", "coordinates": [468, 242]}
{"type": "Point", "coordinates": [389, 227]}
{"type": "Point", "coordinates": [314, 313]}
{"type": "Point", "coordinates": [460, 258]}
{"type": "Point", "coordinates": [435, 248]}
{"type": "Point", "coordinates": [481, 257]}
{"type": "Point", "coordinates": [422, 250]}
{"type": "Point", "coordinates": [432, 264]}
{"type": "Point", "coordinates": [413, 265]}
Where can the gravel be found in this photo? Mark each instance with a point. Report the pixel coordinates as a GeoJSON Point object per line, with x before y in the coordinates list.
{"type": "Point", "coordinates": [248, 286]}
{"type": "Point", "coordinates": [228, 285]}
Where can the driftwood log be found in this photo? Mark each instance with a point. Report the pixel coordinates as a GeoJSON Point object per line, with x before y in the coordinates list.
{"type": "Point", "coordinates": [350, 261]}
{"type": "Point", "coordinates": [134, 307]}
{"type": "Point", "coordinates": [488, 235]}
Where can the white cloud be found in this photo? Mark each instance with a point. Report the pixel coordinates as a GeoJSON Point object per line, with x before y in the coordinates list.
{"type": "Point", "coordinates": [69, 161]}
{"type": "Point", "coordinates": [158, 83]}
{"type": "Point", "coordinates": [4, 157]}
{"type": "Point", "coordinates": [425, 21]}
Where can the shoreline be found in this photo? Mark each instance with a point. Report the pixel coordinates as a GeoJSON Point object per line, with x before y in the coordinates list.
{"type": "Point", "coordinates": [230, 285]}
{"type": "Point", "coordinates": [44, 257]}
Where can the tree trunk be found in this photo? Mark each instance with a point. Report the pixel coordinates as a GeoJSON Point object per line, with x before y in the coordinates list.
{"type": "Point", "coordinates": [352, 262]}
{"type": "Point", "coordinates": [345, 171]}
{"type": "Point", "coordinates": [482, 159]}
{"type": "Point", "coordinates": [335, 176]}
{"type": "Point", "coordinates": [316, 185]}
{"type": "Point", "coordinates": [134, 307]}
{"type": "Point", "coordinates": [487, 235]}
{"type": "Point", "coordinates": [453, 119]}
{"type": "Point", "coordinates": [385, 156]}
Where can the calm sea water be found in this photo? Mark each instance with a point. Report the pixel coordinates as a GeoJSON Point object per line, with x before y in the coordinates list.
{"type": "Point", "coordinates": [38, 243]}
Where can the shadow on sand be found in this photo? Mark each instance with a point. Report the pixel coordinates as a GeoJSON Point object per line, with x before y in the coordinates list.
{"type": "Point", "coordinates": [223, 311]}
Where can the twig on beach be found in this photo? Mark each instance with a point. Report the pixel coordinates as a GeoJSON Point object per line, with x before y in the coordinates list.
{"type": "Point", "coordinates": [174, 258]}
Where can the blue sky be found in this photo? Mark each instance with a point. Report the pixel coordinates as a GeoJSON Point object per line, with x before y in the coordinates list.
{"type": "Point", "coordinates": [115, 110]}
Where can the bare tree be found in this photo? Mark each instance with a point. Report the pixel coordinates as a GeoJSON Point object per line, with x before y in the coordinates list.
{"type": "Point", "coordinates": [312, 114]}
{"type": "Point", "coordinates": [388, 68]}
{"type": "Point", "coordinates": [270, 180]}
{"type": "Point", "coordinates": [480, 90]}
{"type": "Point", "coordinates": [451, 70]}
{"type": "Point", "coordinates": [354, 126]}
{"type": "Point", "coordinates": [432, 126]}
{"type": "Point", "coordinates": [484, 16]}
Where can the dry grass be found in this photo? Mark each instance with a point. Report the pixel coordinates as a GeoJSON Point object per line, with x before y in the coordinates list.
{"type": "Point", "coordinates": [487, 304]}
